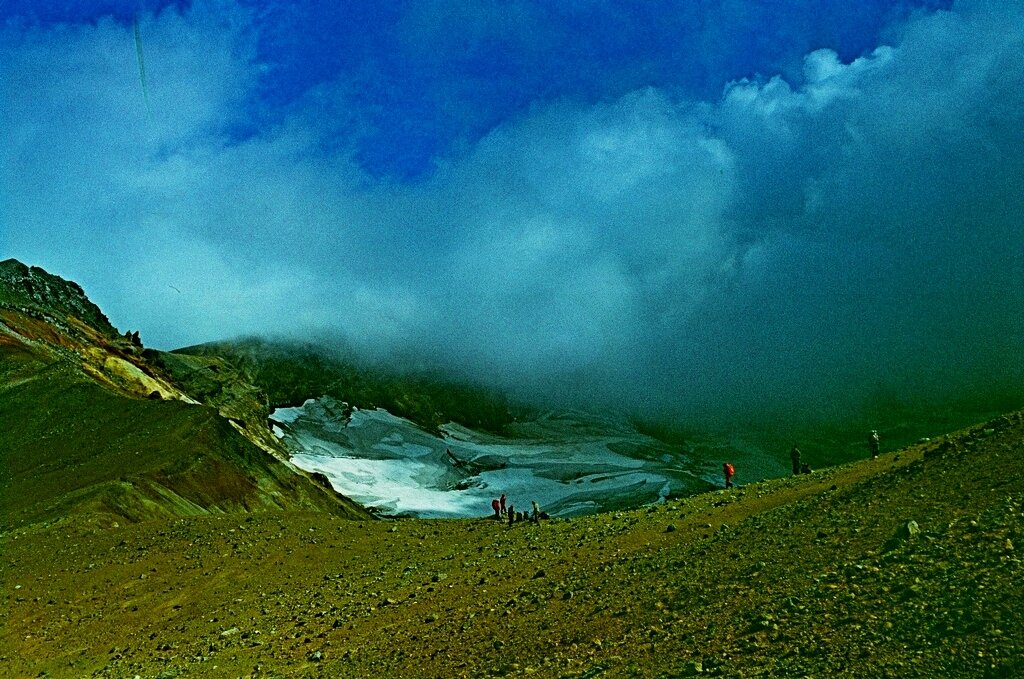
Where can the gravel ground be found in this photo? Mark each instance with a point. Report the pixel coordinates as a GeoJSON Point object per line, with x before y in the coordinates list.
{"type": "Point", "coordinates": [905, 566]}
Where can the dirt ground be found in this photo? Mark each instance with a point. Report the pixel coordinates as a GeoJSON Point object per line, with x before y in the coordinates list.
{"type": "Point", "coordinates": [819, 575]}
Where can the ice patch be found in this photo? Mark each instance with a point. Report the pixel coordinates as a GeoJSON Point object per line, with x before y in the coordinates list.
{"type": "Point", "coordinates": [386, 462]}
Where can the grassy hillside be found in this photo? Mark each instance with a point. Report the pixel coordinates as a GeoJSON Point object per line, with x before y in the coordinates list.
{"type": "Point", "coordinates": [90, 425]}
{"type": "Point", "coordinates": [821, 575]}
{"type": "Point", "coordinates": [68, 445]}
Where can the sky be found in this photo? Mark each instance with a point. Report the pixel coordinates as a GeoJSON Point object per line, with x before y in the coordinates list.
{"type": "Point", "coordinates": [676, 207]}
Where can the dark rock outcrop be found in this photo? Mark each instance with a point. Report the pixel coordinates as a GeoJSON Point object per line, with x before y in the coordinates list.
{"type": "Point", "coordinates": [33, 289]}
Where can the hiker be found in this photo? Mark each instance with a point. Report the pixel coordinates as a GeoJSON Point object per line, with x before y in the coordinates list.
{"type": "Point", "coordinates": [501, 500]}
{"type": "Point", "coordinates": [511, 515]}
{"type": "Point", "coordinates": [729, 471]}
{"type": "Point", "coordinates": [794, 457]}
{"type": "Point", "coordinates": [536, 512]}
{"type": "Point", "coordinates": [496, 506]}
{"type": "Point", "coordinates": [873, 443]}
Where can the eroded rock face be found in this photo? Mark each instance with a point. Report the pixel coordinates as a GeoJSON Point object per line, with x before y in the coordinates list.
{"type": "Point", "coordinates": [34, 288]}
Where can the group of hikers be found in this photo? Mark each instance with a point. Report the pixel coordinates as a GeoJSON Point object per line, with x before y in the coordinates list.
{"type": "Point", "coordinates": [729, 471]}
{"type": "Point", "coordinates": [509, 513]}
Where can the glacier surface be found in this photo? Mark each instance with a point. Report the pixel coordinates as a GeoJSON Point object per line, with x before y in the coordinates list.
{"type": "Point", "coordinates": [569, 463]}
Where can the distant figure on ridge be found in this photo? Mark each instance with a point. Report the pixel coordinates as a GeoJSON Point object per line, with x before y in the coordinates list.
{"type": "Point", "coordinates": [873, 443]}
{"type": "Point", "coordinates": [729, 471]}
{"type": "Point", "coordinates": [496, 506]}
{"type": "Point", "coordinates": [536, 512]}
{"type": "Point", "coordinates": [511, 515]}
{"type": "Point", "coordinates": [794, 457]}
{"type": "Point", "coordinates": [501, 500]}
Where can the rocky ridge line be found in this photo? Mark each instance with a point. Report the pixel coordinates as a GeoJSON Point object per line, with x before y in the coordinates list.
{"type": "Point", "coordinates": [33, 291]}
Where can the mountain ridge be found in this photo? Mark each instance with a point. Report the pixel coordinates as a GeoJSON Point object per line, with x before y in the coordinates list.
{"type": "Point", "coordinates": [292, 371]}
{"type": "Point", "coordinates": [93, 425]}
{"type": "Point", "coordinates": [34, 289]}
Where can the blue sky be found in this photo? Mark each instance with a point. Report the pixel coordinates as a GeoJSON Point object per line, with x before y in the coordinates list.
{"type": "Point", "coordinates": [428, 78]}
{"type": "Point", "coordinates": [673, 205]}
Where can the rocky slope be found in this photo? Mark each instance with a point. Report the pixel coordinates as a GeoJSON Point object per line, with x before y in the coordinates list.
{"type": "Point", "coordinates": [91, 424]}
{"type": "Point", "coordinates": [35, 292]}
{"type": "Point", "coordinates": [904, 566]}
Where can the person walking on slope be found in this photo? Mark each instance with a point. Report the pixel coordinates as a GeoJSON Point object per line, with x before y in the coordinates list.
{"type": "Point", "coordinates": [873, 443]}
{"type": "Point", "coordinates": [729, 471]}
{"type": "Point", "coordinates": [496, 506]}
{"type": "Point", "coordinates": [501, 501]}
{"type": "Point", "coordinates": [794, 457]}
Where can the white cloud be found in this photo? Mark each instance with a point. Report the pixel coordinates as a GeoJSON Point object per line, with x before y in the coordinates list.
{"type": "Point", "coordinates": [790, 243]}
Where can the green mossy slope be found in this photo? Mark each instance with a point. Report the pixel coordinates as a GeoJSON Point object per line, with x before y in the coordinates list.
{"type": "Point", "coordinates": [68, 444]}
{"type": "Point", "coordinates": [90, 424]}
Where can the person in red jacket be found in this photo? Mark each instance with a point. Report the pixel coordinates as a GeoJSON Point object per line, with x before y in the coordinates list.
{"type": "Point", "coordinates": [729, 471]}
{"type": "Point", "coordinates": [496, 506]}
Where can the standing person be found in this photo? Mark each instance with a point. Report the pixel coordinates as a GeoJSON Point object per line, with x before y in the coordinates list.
{"type": "Point", "coordinates": [794, 457]}
{"type": "Point", "coordinates": [501, 500]}
{"type": "Point", "coordinates": [511, 515]}
{"type": "Point", "coordinates": [536, 512]}
{"type": "Point", "coordinates": [873, 443]}
{"type": "Point", "coordinates": [729, 471]}
{"type": "Point", "coordinates": [496, 506]}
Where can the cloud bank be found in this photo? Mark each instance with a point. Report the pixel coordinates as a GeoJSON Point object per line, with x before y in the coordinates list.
{"type": "Point", "coordinates": [790, 245]}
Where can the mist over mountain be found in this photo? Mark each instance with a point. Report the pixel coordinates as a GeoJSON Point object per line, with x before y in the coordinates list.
{"type": "Point", "coordinates": [803, 244]}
